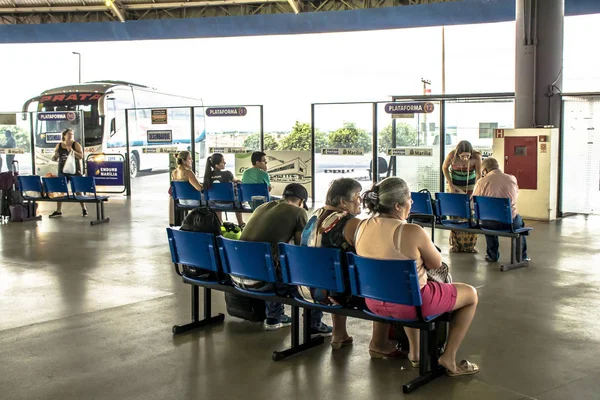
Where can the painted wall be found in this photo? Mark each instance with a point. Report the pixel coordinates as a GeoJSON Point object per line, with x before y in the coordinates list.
{"type": "Point", "coordinates": [540, 204]}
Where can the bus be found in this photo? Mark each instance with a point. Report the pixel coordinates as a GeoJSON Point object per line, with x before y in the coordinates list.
{"type": "Point", "coordinates": [102, 106]}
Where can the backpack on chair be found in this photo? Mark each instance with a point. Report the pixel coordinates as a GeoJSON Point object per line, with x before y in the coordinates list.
{"type": "Point", "coordinates": [205, 220]}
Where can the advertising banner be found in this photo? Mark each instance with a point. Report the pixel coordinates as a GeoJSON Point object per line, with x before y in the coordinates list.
{"type": "Point", "coordinates": [283, 167]}
{"type": "Point", "coordinates": [108, 169]}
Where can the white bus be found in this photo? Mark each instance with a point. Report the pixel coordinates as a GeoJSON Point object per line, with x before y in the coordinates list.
{"type": "Point", "coordinates": [103, 105]}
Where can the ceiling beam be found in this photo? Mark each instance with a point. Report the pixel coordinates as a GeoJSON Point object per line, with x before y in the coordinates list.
{"type": "Point", "coordinates": [137, 6]}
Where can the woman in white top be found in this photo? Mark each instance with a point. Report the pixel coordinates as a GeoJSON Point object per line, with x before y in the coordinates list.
{"type": "Point", "coordinates": [387, 236]}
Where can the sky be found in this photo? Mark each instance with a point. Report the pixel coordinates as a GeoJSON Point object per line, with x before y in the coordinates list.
{"type": "Point", "coordinates": [289, 72]}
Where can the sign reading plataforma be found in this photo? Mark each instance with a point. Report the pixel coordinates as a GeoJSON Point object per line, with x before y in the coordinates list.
{"type": "Point", "coordinates": [228, 150]}
{"type": "Point", "coordinates": [342, 152]}
{"type": "Point", "coordinates": [410, 151]}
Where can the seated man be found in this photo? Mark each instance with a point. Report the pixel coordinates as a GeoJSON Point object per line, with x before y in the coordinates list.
{"type": "Point", "coordinates": [496, 183]}
{"type": "Point", "coordinates": [279, 221]}
{"type": "Point", "coordinates": [257, 174]}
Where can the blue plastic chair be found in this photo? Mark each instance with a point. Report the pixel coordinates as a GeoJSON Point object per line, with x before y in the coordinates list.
{"type": "Point", "coordinates": [185, 191]}
{"type": "Point", "coordinates": [194, 249]}
{"type": "Point", "coordinates": [421, 204]}
{"type": "Point", "coordinates": [30, 183]}
{"type": "Point", "coordinates": [220, 192]}
{"type": "Point", "coordinates": [56, 185]}
{"type": "Point", "coordinates": [394, 281]}
{"type": "Point", "coordinates": [315, 267]}
{"type": "Point", "coordinates": [453, 205]}
{"type": "Point", "coordinates": [85, 184]}
{"type": "Point", "coordinates": [495, 209]}
{"type": "Point", "coordinates": [247, 190]}
{"type": "Point", "coordinates": [248, 260]}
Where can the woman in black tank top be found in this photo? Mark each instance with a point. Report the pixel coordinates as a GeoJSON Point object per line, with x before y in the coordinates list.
{"type": "Point", "coordinates": [61, 152]}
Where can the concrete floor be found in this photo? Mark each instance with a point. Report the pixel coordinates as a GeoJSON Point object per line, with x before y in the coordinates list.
{"type": "Point", "coordinates": [86, 313]}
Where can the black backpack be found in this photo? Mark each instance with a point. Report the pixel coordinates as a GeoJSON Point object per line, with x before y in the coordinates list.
{"type": "Point", "coordinates": [205, 220]}
{"type": "Point", "coordinates": [202, 219]}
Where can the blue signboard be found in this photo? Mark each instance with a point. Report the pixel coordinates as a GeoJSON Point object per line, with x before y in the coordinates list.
{"type": "Point", "coordinates": [109, 170]}
{"type": "Point", "coordinates": [423, 107]}
{"type": "Point", "coordinates": [57, 116]}
{"type": "Point", "coordinates": [226, 112]}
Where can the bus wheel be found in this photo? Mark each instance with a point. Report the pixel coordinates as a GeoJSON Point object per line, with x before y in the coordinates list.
{"type": "Point", "coordinates": [134, 165]}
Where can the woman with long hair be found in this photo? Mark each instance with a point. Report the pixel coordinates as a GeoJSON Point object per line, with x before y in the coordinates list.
{"type": "Point", "coordinates": [183, 173]}
{"type": "Point", "coordinates": [386, 235]}
{"type": "Point", "coordinates": [214, 172]}
{"type": "Point", "coordinates": [62, 150]}
{"type": "Point", "coordinates": [462, 169]}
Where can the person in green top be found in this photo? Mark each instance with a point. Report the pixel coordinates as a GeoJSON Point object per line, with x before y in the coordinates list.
{"type": "Point", "coordinates": [257, 174]}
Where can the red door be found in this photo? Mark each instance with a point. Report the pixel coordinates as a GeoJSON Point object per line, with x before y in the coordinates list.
{"type": "Point", "coordinates": [520, 160]}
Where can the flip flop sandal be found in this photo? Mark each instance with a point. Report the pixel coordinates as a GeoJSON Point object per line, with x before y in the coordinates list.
{"type": "Point", "coordinates": [339, 345]}
{"type": "Point", "coordinates": [465, 368]}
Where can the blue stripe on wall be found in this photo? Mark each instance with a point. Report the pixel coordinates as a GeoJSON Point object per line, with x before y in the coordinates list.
{"type": "Point", "coordinates": [455, 13]}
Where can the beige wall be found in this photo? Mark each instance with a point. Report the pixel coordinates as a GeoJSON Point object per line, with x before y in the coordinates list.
{"type": "Point", "coordinates": [537, 204]}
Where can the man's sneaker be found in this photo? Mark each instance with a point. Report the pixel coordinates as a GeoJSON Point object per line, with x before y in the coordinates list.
{"type": "Point", "coordinates": [272, 324]}
{"type": "Point", "coordinates": [321, 329]}
{"type": "Point", "coordinates": [527, 259]}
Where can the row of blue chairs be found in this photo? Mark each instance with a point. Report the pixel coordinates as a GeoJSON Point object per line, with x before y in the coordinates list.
{"type": "Point", "coordinates": [221, 192]}
{"type": "Point", "coordinates": [83, 189]}
{"type": "Point", "coordinates": [386, 280]}
{"type": "Point", "coordinates": [452, 211]}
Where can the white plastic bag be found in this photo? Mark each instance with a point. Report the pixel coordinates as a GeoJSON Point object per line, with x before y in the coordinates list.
{"type": "Point", "coordinates": [70, 166]}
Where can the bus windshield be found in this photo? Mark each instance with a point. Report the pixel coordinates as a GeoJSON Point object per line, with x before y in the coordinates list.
{"type": "Point", "coordinates": [92, 122]}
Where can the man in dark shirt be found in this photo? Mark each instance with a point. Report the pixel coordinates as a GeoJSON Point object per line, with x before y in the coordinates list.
{"type": "Point", "coordinates": [274, 222]}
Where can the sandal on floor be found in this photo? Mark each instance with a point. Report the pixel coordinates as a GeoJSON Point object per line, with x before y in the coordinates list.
{"type": "Point", "coordinates": [465, 368]}
{"type": "Point", "coordinates": [55, 214]}
{"type": "Point", "coordinates": [415, 364]}
{"type": "Point", "coordinates": [396, 354]}
{"type": "Point", "coordinates": [339, 345]}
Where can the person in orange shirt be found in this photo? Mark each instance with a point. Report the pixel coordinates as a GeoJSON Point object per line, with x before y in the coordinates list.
{"type": "Point", "coordinates": [496, 183]}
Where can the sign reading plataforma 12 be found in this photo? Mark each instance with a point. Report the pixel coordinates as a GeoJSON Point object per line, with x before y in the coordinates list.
{"type": "Point", "coordinates": [342, 152]}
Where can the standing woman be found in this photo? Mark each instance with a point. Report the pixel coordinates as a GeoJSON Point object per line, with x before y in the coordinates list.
{"type": "Point", "coordinates": [61, 152]}
{"type": "Point", "coordinates": [215, 173]}
{"type": "Point", "coordinates": [462, 169]}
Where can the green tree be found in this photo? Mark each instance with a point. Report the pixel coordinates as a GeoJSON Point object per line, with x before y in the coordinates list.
{"type": "Point", "coordinates": [252, 142]}
{"type": "Point", "coordinates": [406, 135]}
{"type": "Point", "coordinates": [299, 138]}
{"type": "Point", "coordinates": [349, 136]}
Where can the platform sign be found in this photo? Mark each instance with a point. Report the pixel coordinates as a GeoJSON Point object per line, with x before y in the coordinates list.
{"type": "Point", "coordinates": [157, 150]}
{"type": "Point", "coordinates": [410, 151]}
{"type": "Point", "coordinates": [422, 107]}
{"type": "Point", "coordinates": [226, 111]}
{"type": "Point", "coordinates": [14, 151]}
{"type": "Point", "coordinates": [159, 116]}
{"type": "Point", "coordinates": [57, 116]}
{"type": "Point", "coordinates": [411, 115]}
{"type": "Point", "coordinates": [159, 136]}
{"type": "Point", "coordinates": [342, 152]}
{"type": "Point", "coordinates": [108, 169]}
{"type": "Point", "coordinates": [228, 150]}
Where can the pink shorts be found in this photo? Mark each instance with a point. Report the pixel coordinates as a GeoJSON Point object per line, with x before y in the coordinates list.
{"type": "Point", "coordinates": [437, 298]}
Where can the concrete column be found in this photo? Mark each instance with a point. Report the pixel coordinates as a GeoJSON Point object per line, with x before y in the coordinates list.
{"type": "Point", "coordinates": [539, 62]}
